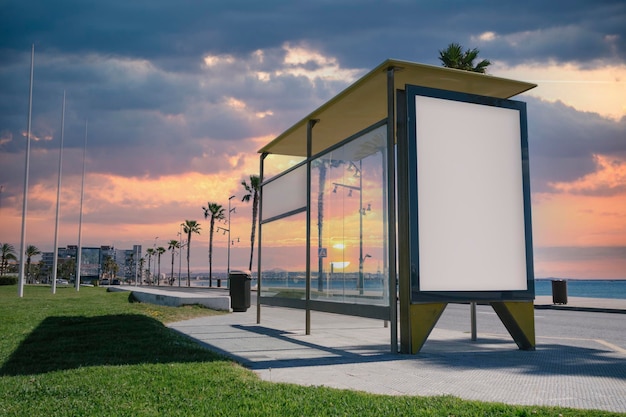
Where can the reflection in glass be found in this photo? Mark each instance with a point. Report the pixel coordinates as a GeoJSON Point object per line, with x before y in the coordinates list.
{"type": "Point", "coordinates": [283, 262]}
{"type": "Point", "coordinates": [276, 164]}
{"type": "Point", "coordinates": [348, 222]}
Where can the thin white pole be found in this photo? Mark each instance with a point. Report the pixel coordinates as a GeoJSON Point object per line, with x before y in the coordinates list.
{"type": "Point", "coordinates": [80, 218]}
{"type": "Point", "coordinates": [55, 254]}
{"type": "Point", "coordinates": [20, 290]}
{"type": "Point", "coordinates": [229, 243]}
{"type": "Point", "coordinates": [180, 252]}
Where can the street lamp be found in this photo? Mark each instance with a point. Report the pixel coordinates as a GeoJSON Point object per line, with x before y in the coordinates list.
{"type": "Point", "coordinates": [224, 231]}
{"type": "Point", "coordinates": [154, 269]}
{"type": "Point", "coordinates": [180, 250]}
{"type": "Point", "coordinates": [229, 242]}
{"type": "Point", "coordinates": [362, 212]}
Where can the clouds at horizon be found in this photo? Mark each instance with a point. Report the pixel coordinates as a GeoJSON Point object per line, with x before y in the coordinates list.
{"type": "Point", "coordinates": [189, 91]}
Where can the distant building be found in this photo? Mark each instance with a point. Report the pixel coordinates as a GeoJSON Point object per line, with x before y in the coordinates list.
{"type": "Point", "coordinates": [93, 259]}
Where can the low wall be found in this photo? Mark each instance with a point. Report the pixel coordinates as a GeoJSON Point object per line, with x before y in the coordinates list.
{"type": "Point", "coordinates": [214, 301]}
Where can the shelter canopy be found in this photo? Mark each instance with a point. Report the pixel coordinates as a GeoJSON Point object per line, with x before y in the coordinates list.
{"type": "Point", "coordinates": [365, 102]}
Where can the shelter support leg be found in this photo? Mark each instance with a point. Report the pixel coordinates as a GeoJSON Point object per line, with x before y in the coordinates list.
{"type": "Point", "coordinates": [423, 318]}
{"type": "Point", "coordinates": [519, 319]}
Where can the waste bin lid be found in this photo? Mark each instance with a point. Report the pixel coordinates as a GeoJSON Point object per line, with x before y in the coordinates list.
{"type": "Point", "coordinates": [239, 272]}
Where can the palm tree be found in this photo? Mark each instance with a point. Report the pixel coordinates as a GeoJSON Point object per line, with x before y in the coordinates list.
{"type": "Point", "coordinates": [150, 252]}
{"type": "Point", "coordinates": [110, 268]}
{"type": "Point", "coordinates": [454, 57]}
{"type": "Point", "coordinates": [30, 252]}
{"type": "Point", "coordinates": [253, 192]}
{"type": "Point", "coordinates": [216, 211]}
{"type": "Point", "coordinates": [8, 254]}
{"type": "Point", "coordinates": [142, 262]}
{"type": "Point", "coordinates": [173, 245]}
{"type": "Point", "coordinates": [159, 251]}
{"type": "Point", "coordinates": [189, 227]}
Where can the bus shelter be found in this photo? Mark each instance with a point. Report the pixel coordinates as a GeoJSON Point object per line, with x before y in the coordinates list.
{"type": "Point", "coordinates": [407, 191]}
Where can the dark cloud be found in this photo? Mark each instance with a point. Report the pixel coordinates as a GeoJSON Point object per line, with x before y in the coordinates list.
{"type": "Point", "coordinates": [359, 31]}
{"type": "Point", "coordinates": [579, 254]}
{"type": "Point", "coordinates": [563, 142]}
{"type": "Point", "coordinates": [135, 71]}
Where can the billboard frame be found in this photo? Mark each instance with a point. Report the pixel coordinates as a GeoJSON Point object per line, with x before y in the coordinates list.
{"type": "Point", "coordinates": [490, 290]}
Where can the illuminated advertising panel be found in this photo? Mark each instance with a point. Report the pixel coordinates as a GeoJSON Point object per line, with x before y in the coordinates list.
{"type": "Point", "coordinates": [470, 226]}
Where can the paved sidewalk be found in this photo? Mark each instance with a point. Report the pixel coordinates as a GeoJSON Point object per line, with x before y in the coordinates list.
{"type": "Point", "coordinates": [353, 353]}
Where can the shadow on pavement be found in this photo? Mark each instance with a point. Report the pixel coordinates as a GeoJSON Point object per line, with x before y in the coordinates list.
{"type": "Point", "coordinates": [452, 354]}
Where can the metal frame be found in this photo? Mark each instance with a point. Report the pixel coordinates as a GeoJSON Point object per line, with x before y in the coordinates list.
{"type": "Point", "coordinates": [368, 95]}
{"type": "Point", "coordinates": [412, 227]}
{"type": "Point", "coordinates": [384, 312]}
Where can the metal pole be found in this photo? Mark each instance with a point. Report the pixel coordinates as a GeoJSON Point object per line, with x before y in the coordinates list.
{"type": "Point", "coordinates": [361, 260]}
{"type": "Point", "coordinates": [391, 204]}
{"type": "Point", "coordinates": [80, 218]}
{"type": "Point", "coordinates": [56, 221]}
{"type": "Point", "coordinates": [229, 243]}
{"type": "Point", "coordinates": [20, 287]}
{"type": "Point", "coordinates": [309, 146]}
{"type": "Point", "coordinates": [180, 252]}
{"type": "Point", "coordinates": [259, 249]}
{"type": "Point", "coordinates": [473, 319]}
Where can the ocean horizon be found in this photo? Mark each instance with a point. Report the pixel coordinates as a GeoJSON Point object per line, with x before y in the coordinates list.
{"type": "Point", "coordinates": [591, 288]}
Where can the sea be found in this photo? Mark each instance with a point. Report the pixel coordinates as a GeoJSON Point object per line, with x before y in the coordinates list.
{"type": "Point", "coordinates": [591, 288]}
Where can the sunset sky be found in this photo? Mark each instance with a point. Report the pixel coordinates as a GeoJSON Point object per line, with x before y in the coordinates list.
{"type": "Point", "coordinates": [179, 96]}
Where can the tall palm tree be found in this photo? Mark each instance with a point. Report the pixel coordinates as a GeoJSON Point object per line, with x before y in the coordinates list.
{"type": "Point", "coordinates": [173, 245]}
{"type": "Point", "coordinates": [8, 254]}
{"type": "Point", "coordinates": [30, 252]}
{"type": "Point", "coordinates": [189, 227]}
{"type": "Point", "coordinates": [454, 57]}
{"type": "Point", "coordinates": [159, 251]}
{"type": "Point", "coordinates": [110, 268]}
{"type": "Point", "coordinates": [150, 252]}
{"type": "Point", "coordinates": [216, 212]}
{"type": "Point", "coordinates": [252, 189]}
{"type": "Point", "coordinates": [142, 262]}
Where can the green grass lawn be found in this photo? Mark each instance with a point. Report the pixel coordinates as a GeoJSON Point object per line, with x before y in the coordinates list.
{"type": "Point", "coordinates": [93, 353]}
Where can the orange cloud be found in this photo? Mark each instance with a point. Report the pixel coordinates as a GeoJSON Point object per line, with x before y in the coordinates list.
{"type": "Point", "coordinates": [609, 179]}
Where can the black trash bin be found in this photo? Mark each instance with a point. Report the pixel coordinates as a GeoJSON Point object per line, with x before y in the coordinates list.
{"type": "Point", "coordinates": [239, 290]}
{"type": "Point", "coordinates": [559, 291]}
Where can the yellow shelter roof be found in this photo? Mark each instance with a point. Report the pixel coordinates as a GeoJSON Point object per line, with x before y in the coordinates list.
{"type": "Point", "coordinates": [365, 102]}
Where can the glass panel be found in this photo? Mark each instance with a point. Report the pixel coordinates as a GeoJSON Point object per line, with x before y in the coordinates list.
{"type": "Point", "coordinates": [283, 261]}
{"type": "Point", "coordinates": [276, 164]}
{"type": "Point", "coordinates": [285, 193]}
{"type": "Point", "coordinates": [348, 222]}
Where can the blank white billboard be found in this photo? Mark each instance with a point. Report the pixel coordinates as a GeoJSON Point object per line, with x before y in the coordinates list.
{"type": "Point", "coordinates": [470, 197]}
{"type": "Point", "coordinates": [285, 193]}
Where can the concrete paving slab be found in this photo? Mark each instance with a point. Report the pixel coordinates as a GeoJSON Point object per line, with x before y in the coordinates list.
{"type": "Point", "coordinates": [354, 353]}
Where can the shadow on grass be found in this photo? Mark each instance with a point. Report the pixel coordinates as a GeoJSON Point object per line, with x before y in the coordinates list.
{"type": "Point", "coordinates": [60, 343]}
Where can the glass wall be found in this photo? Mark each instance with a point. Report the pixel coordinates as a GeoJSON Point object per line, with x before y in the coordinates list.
{"type": "Point", "coordinates": [283, 263]}
{"type": "Point", "coordinates": [283, 235]}
{"type": "Point", "coordinates": [348, 230]}
{"type": "Point", "coordinates": [348, 222]}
